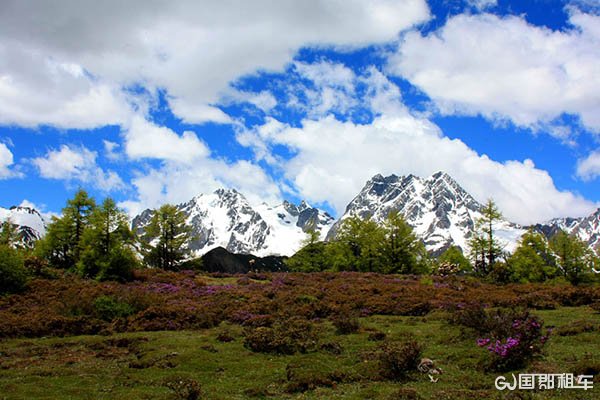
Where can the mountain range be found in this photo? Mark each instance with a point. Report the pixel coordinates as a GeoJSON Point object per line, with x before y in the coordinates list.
{"type": "Point", "coordinates": [440, 211]}
{"type": "Point", "coordinates": [225, 219]}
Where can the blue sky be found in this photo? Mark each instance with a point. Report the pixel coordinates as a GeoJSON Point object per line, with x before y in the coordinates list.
{"type": "Point", "coordinates": [301, 100]}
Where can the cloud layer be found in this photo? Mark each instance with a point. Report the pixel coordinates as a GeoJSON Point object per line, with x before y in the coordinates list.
{"type": "Point", "coordinates": [504, 68]}
{"type": "Point", "coordinates": [190, 49]}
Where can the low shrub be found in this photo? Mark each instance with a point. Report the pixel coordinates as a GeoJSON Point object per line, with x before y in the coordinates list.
{"type": "Point", "coordinates": [332, 348]}
{"type": "Point", "coordinates": [288, 336]}
{"type": "Point", "coordinates": [345, 322]}
{"type": "Point", "coordinates": [405, 394]}
{"type": "Point", "coordinates": [302, 377]}
{"type": "Point", "coordinates": [588, 365]}
{"type": "Point", "coordinates": [225, 336]}
{"type": "Point", "coordinates": [575, 328]}
{"type": "Point", "coordinates": [397, 359]}
{"type": "Point", "coordinates": [109, 308]}
{"type": "Point", "coordinates": [376, 336]}
{"type": "Point", "coordinates": [513, 346]}
{"type": "Point", "coordinates": [184, 388]}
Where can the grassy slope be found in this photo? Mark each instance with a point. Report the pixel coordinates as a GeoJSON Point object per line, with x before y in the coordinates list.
{"type": "Point", "coordinates": [98, 367]}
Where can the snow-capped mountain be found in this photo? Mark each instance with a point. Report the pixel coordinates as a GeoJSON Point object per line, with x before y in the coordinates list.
{"type": "Point", "coordinates": [586, 228]}
{"type": "Point", "coordinates": [29, 223]}
{"type": "Point", "coordinates": [439, 210]}
{"type": "Point", "coordinates": [225, 218]}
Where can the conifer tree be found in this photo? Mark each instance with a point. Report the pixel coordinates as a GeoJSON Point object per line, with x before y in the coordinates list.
{"type": "Point", "coordinates": [106, 252]}
{"type": "Point", "coordinates": [402, 251]}
{"type": "Point", "coordinates": [165, 237]}
{"type": "Point", "coordinates": [573, 258]}
{"type": "Point", "coordinates": [358, 246]}
{"type": "Point", "coordinates": [62, 244]}
{"type": "Point", "coordinates": [485, 248]}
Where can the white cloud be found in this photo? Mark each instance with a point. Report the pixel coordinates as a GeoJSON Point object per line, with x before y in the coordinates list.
{"type": "Point", "coordinates": [504, 68]}
{"type": "Point", "coordinates": [263, 100]}
{"type": "Point", "coordinates": [6, 161]}
{"type": "Point", "coordinates": [77, 164]}
{"type": "Point", "coordinates": [66, 71]}
{"type": "Point", "coordinates": [482, 4]}
{"type": "Point", "coordinates": [588, 168]}
{"type": "Point", "coordinates": [175, 183]}
{"type": "Point", "coordinates": [144, 139]}
{"type": "Point", "coordinates": [334, 159]}
{"type": "Point", "coordinates": [198, 113]}
{"type": "Point", "coordinates": [110, 150]}
{"type": "Point", "coordinates": [35, 90]}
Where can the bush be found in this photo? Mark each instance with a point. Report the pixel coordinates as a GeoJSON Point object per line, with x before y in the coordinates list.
{"type": "Point", "coordinates": [376, 336]}
{"type": "Point", "coordinates": [108, 308]}
{"type": "Point", "coordinates": [397, 359]}
{"type": "Point", "coordinates": [302, 377]}
{"type": "Point", "coordinates": [285, 337]}
{"type": "Point", "coordinates": [13, 275]}
{"type": "Point", "coordinates": [119, 266]}
{"type": "Point", "coordinates": [575, 328]}
{"type": "Point", "coordinates": [184, 388]}
{"type": "Point", "coordinates": [345, 323]}
{"type": "Point", "coordinates": [513, 346]}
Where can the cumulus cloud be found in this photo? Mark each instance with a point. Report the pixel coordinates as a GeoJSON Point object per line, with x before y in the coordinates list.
{"type": "Point", "coordinates": [144, 139]}
{"type": "Point", "coordinates": [342, 156]}
{"type": "Point", "coordinates": [191, 49]}
{"type": "Point", "coordinates": [588, 168]}
{"type": "Point", "coordinates": [36, 89]}
{"type": "Point", "coordinates": [72, 163]}
{"type": "Point", "coordinates": [505, 68]}
{"type": "Point", "coordinates": [175, 183]}
{"type": "Point", "coordinates": [6, 161]}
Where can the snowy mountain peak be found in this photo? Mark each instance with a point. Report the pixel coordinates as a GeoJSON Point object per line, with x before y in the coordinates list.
{"type": "Point", "coordinates": [225, 218]}
{"type": "Point", "coordinates": [440, 211]}
{"type": "Point", "coordinates": [29, 223]}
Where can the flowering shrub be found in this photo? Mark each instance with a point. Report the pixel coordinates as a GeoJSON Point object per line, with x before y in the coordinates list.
{"type": "Point", "coordinates": [524, 341]}
{"type": "Point", "coordinates": [188, 300]}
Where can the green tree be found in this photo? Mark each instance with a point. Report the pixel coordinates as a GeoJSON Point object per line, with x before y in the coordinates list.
{"type": "Point", "coordinates": [358, 246]}
{"type": "Point", "coordinates": [485, 248]}
{"type": "Point", "coordinates": [312, 255]}
{"type": "Point", "coordinates": [62, 244]}
{"type": "Point", "coordinates": [106, 245]}
{"type": "Point", "coordinates": [8, 234]}
{"type": "Point", "coordinates": [13, 275]}
{"type": "Point", "coordinates": [402, 251]}
{"type": "Point", "coordinates": [164, 239]}
{"type": "Point", "coordinates": [532, 260]}
{"type": "Point", "coordinates": [574, 258]}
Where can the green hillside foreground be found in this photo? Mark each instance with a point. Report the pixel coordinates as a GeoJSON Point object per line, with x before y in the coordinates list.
{"type": "Point", "coordinates": [128, 360]}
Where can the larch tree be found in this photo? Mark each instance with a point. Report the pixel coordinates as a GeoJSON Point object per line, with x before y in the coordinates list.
{"type": "Point", "coordinates": [165, 237]}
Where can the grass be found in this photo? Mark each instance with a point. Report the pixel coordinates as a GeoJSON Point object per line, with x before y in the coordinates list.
{"type": "Point", "coordinates": [136, 365]}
